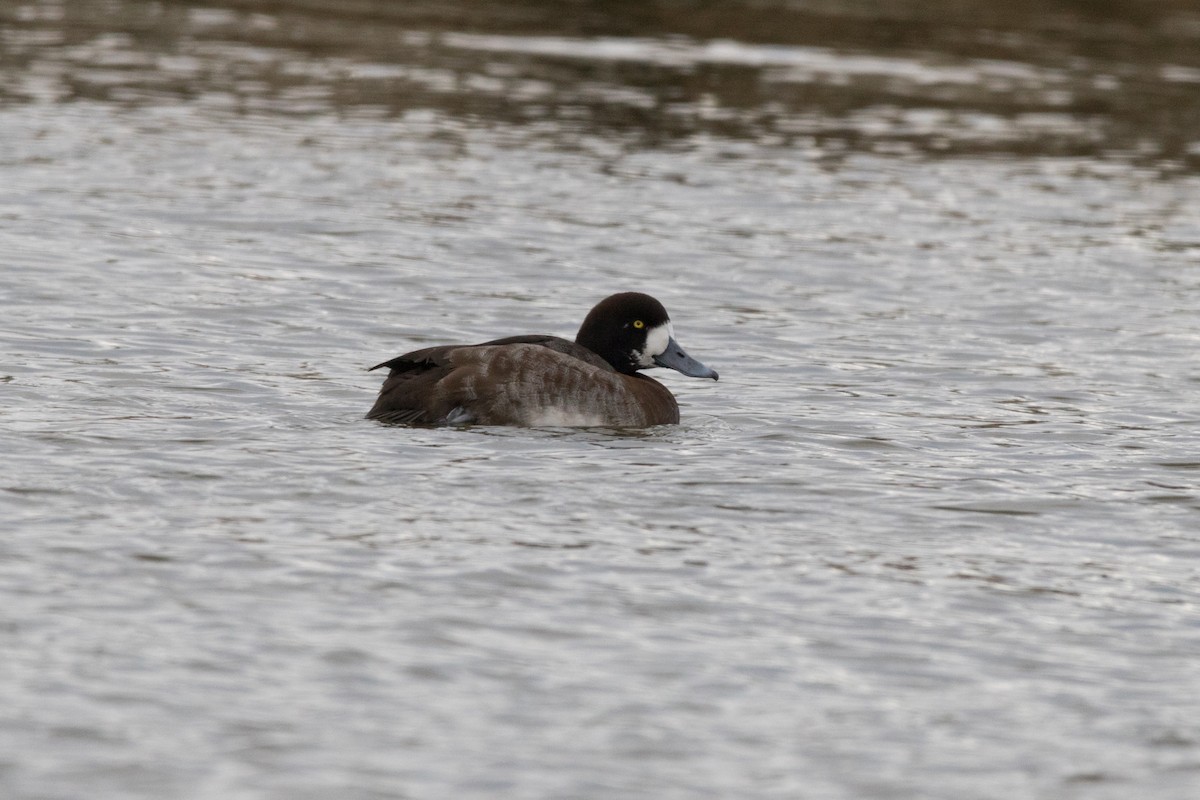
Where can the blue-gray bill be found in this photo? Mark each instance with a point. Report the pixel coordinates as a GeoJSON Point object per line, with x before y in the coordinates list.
{"type": "Point", "coordinates": [675, 358]}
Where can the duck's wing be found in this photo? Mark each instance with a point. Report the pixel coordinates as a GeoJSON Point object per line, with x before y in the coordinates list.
{"type": "Point", "coordinates": [558, 345]}
{"type": "Point", "coordinates": [432, 356]}
{"type": "Point", "coordinates": [408, 394]}
{"type": "Point", "coordinates": [464, 383]}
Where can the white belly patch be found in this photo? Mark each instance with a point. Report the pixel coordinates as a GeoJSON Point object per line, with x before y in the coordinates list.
{"type": "Point", "coordinates": [564, 418]}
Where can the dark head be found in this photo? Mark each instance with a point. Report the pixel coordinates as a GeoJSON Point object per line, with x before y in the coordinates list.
{"type": "Point", "coordinates": [632, 331]}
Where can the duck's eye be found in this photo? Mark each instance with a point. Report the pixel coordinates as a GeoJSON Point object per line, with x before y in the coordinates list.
{"type": "Point", "coordinates": [637, 323]}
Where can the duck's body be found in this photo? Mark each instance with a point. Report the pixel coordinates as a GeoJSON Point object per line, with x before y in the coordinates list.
{"type": "Point", "coordinates": [546, 380]}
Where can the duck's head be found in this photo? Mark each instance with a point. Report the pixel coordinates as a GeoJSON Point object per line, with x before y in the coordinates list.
{"type": "Point", "coordinates": [632, 331]}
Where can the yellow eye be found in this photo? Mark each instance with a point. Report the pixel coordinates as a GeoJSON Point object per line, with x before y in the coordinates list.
{"type": "Point", "coordinates": [637, 323]}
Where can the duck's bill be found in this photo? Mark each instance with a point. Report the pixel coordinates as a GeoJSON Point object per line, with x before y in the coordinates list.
{"type": "Point", "coordinates": [675, 358]}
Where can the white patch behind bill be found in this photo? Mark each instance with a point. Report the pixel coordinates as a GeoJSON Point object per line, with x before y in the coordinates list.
{"type": "Point", "coordinates": [657, 339]}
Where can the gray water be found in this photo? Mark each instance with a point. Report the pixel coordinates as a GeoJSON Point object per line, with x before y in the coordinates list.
{"type": "Point", "coordinates": [934, 534]}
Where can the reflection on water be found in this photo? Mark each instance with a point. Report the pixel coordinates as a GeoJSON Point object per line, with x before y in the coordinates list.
{"type": "Point", "coordinates": [1070, 78]}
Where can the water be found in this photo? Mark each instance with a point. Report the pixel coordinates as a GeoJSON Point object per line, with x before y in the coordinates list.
{"type": "Point", "coordinates": [934, 534]}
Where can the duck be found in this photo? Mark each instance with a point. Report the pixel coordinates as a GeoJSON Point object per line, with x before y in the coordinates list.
{"type": "Point", "coordinates": [546, 381]}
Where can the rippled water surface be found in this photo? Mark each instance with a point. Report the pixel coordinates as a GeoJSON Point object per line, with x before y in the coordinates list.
{"type": "Point", "coordinates": [934, 534]}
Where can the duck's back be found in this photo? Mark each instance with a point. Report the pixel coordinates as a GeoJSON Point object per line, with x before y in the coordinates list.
{"type": "Point", "coordinates": [520, 380]}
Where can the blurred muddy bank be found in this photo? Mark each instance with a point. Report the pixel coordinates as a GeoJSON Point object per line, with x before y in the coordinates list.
{"type": "Point", "coordinates": [1064, 78]}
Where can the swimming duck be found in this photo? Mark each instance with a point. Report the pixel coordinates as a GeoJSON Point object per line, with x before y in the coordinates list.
{"type": "Point", "coordinates": [542, 380]}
